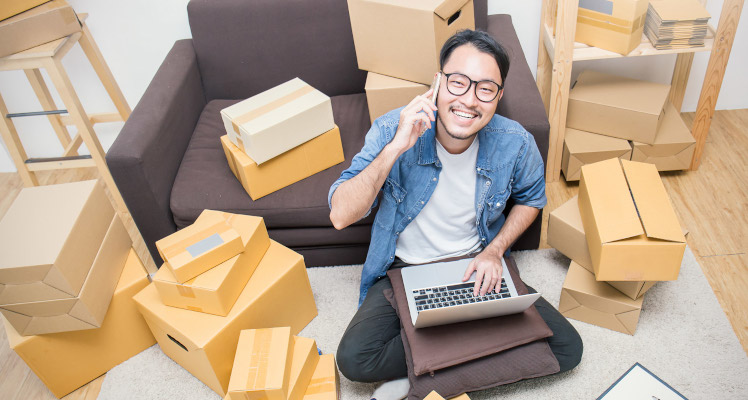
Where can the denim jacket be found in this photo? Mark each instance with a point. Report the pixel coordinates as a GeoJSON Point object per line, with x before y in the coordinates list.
{"type": "Point", "coordinates": [508, 164]}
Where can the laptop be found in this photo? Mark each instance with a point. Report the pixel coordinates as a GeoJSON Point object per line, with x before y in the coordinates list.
{"type": "Point", "coordinates": [438, 296]}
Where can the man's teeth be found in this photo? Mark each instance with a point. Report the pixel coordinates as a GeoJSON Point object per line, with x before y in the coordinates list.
{"type": "Point", "coordinates": [463, 114]}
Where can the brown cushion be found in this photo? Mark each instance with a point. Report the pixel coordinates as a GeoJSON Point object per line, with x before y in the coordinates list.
{"type": "Point", "coordinates": [434, 348]}
{"type": "Point", "coordinates": [204, 180]}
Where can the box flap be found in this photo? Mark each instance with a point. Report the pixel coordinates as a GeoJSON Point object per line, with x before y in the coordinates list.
{"type": "Point", "coordinates": [611, 202]}
{"type": "Point", "coordinates": [652, 202]}
{"type": "Point", "coordinates": [580, 142]}
{"type": "Point", "coordinates": [447, 8]}
{"type": "Point", "coordinates": [629, 320]}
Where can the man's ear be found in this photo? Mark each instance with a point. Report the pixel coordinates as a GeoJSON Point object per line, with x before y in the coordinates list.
{"type": "Point", "coordinates": [501, 94]}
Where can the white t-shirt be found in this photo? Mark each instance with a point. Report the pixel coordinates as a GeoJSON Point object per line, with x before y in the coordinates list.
{"type": "Point", "coordinates": [446, 227]}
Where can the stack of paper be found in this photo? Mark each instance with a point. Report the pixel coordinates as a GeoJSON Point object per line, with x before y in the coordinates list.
{"type": "Point", "coordinates": [676, 24]}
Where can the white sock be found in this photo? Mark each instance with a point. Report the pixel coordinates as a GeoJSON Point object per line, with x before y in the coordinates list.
{"type": "Point", "coordinates": [396, 389]}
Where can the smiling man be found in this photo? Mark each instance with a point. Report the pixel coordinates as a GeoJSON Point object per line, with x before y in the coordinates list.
{"type": "Point", "coordinates": [445, 171]}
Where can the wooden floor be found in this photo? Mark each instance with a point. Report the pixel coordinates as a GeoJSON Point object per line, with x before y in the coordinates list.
{"type": "Point", "coordinates": [712, 203]}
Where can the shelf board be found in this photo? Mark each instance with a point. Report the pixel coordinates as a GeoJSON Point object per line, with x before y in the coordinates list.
{"type": "Point", "coordinates": [583, 52]}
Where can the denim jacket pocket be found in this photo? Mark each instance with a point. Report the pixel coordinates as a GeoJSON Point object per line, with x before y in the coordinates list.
{"type": "Point", "coordinates": [495, 205]}
{"type": "Point", "coordinates": [392, 196]}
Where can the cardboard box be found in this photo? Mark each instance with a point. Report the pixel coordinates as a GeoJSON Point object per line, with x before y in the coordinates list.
{"type": "Point", "coordinates": [262, 365]}
{"type": "Point", "coordinates": [615, 25]}
{"type": "Point", "coordinates": [299, 163]}
{"type": "Point", "coordinates": [615, 106]}
{"type": "Point", "coordinates": [582, 148]}
{"type": "Point", "coordinates": [216, 290]}
{"type": "Point", "coordinates": [66, 361]}
{"type": "Point", "coordinates": [304, 361]}
{"type": "Point", "coordinates": [9, 8]}
{"type": "Point", "coordinates": [278, 294]}
{"type": "Point", "coordinates": [49, 238]}
{"type": "Point", "coordinates": [325, 382]}
{"type": "Point", "coordinates": [566, 234]}
{"type": "Point", "coordinates": [199, 247]}
{"type": "Point", "coordinates": [39, 25]}
{"type": "Point", "coordinates": [585, 299]}
{"type": "Point", "coordinates": [436, 396]}
{"type": "Point", "coordinates": [275, 121]}
{"type": "Point", "coordinates": [384, 93]}
{"type": "Point", "coordinates": [403, 39]}
{"type": "Point", "coordinates": [673, 146]}
{"type": "Point", "coordinates": [632, 230]}
{"type": "Point", "coordinates": [88, 309]}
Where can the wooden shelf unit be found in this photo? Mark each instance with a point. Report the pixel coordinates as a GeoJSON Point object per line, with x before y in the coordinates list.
{"type": "Point", "coordinates": [556, 56]}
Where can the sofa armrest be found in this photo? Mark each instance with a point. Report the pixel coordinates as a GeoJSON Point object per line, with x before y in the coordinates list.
{"type": "Point", "coordinates": [146, 155]}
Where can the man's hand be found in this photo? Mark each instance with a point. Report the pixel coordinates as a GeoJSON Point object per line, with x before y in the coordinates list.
{"type": "Point", "coordinates": [488, 268]}
{"type": "Point", "coordinates": [415, 118]}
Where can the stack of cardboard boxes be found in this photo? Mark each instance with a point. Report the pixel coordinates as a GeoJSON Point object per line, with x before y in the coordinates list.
{"type": "Point", "coordinates": [29, 23]}
{"type": "Point", "coordinates": [222, 275]}
{"type": "Point", "coordinates": [64, 250]}
{"type": "Point", "coordinates": [280, 136]}
{"type": "Point", "coordinates": [611, 116]}
{"type": "Point", "coordinates": [398, 43]}
{"type": "Point", "coordinates": [622, 236]}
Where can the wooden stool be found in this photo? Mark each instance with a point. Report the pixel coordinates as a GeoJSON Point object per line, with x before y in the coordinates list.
{"type": "Point", "coordinates": [49, 56]}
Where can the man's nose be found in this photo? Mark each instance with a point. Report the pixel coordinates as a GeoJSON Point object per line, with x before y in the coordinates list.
{"type": "Point", "coordinates": [469, 97]}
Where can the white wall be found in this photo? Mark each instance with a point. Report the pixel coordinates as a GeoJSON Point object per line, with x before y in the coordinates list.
{"type": "Point", "coordinates": [134, 37]}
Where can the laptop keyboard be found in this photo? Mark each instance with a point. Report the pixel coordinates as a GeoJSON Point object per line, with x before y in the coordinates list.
{"type": "Point", "coordinates": [454, 295]}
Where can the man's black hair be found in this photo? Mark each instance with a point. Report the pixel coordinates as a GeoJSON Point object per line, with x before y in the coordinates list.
{"type": "Point", "coordinates": [481, 41]}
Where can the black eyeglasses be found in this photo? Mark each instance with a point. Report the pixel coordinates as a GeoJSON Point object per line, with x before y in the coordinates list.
{"type": "Point", "coordinates": [485, 91]}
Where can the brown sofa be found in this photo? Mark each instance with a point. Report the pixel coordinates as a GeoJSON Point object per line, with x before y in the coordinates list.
{"type": "Point", "coordinates": [168, 162]}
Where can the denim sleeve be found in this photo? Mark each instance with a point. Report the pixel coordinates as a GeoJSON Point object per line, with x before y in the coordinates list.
{"type": "Point", "coordinates": [529, 177]}
{"type": "Point", "coordinates": [374, 143]}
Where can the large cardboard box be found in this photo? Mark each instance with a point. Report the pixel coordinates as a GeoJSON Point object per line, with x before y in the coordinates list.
{"type": "Point", "coordinates": [9, 8]}
{"type": "Point", "coordinates": [199, 247]}
{"type": "Point", "coordinates": [403, 39]}
{"type": "Point", "coordinates": [673, 146]}
{"type": "Point", "coordinates": [616, 106]}
{"type": "Point", "coordinates": [325, 382]}
{"type": "Point", "coordinates": [66, 361]}
{"type": "Point", "coordinates": [299, 163]}
{"type": "Point", "coordinates": [384, 93]}
{"type": "Point", "coordinates": [39, 25]}
{"type": "Point", "coordinates": [275, 121]}
{"type": "Point", "coordinates": [566, 234]}
{"type": "Point", "coordinates": [85, 311]}
{"type": "Point", "coordinates": [262, 365]}
{"type": "Point", "coordinates": [632, 230]}
{"type": "Point", "coordinates": [582, 148]}
{"type": "Point", "coordinates": [585, 299]}
{"type": "Point", "coordinates": [615, 25]}
{"type": "Point", "coordinates": [49, 238]}
{"type": "Point", "coordinates": [304, 360]}
{"type": "Point", "coordinates": [278, 294]}
{"type": "Point", "coordinates": [216, 290]}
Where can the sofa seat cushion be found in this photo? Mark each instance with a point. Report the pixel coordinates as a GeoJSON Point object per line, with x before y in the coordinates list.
{"type": "Point", "coordinates": [204, 180]}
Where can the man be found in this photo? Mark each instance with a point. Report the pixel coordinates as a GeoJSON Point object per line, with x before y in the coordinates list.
{"type": "Point", "coordinates": [446, 171]}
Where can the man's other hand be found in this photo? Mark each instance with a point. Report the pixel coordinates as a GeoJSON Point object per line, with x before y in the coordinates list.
{"type": "Point", "coordinates": [488, 269]}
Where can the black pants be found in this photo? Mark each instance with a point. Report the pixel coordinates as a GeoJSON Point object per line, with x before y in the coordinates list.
{"type": "Point", "coordinates": [371, 349]}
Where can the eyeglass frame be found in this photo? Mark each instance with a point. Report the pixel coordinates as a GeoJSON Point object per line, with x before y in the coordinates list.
{"type": "Point", "coordinates": [446, 83]}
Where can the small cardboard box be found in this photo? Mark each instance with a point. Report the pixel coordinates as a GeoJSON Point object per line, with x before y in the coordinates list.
{"type": "Point", "coordinates": [384, 93]}
{"type": "Point", "coordinates": [403, 39]}
{"type": "Point", "coordinates": [632, 230]}
{"type": "Point", "coordinates": [582, 148]}
{"type": "Point", "coordinates": [325, 382]}
{"type": "Point", "coordinates": [585, 299]}
{"type": "Point", "coordinates": [436, 396]}
{"type": "Point", "coordinates": [200, 246]}
{"type": "Point", "coordinates": [39, 25]}
{"type": "Point", "coordinates": [68, 360]}
{"type": "Point", "coordinates": [216, 290]}
{"type": "Point", "coordinates": [566, 234]}
{"type": "Point", "coordinates": [303, 363]}
{"type": "Point", "coordinates": [9, 8]}
{"type": "Point", "coordinates": [673, 146]}
{"type": "Point", "coordinates": [88, 309]}
{"type": "Point", "coordinates": [49, 238]}
{"type": "Point", "coordinates": [269, 124]}
{"type": "Point", "coordinates": [615, 25]}
{"type": "Point", "coordinates": [262, 365]}
{"type": "Point", "coordinates": [278, 294]}
{"type": "Point", "coordinates": [299, 163]}
{"type": "Point", "coordinates": [615, 106]}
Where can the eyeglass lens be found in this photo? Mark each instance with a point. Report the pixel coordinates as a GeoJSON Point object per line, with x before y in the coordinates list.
{"type": "Point", "coordinates": [485, 91]}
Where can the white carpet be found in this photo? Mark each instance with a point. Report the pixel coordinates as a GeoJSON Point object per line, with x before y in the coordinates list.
{"type": "Point", "coordinates": [683, 337]}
